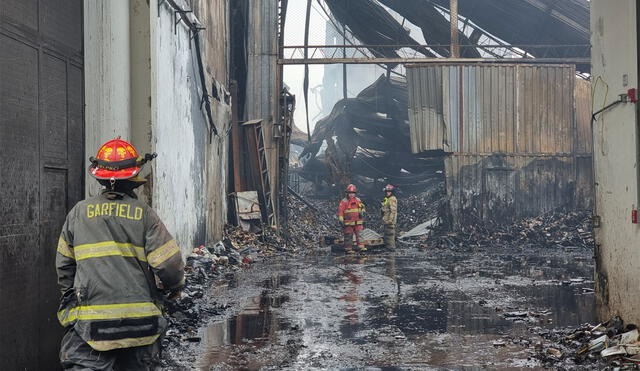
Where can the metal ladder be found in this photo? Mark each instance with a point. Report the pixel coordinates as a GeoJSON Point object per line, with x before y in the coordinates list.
{"type": "Point", "coordinates": [264, 173]}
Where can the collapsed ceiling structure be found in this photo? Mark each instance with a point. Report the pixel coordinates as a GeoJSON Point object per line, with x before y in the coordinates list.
{"type": "Point", "coordinates": [366, 139]}
{"type": "Point", "coordinates": [527, 28]}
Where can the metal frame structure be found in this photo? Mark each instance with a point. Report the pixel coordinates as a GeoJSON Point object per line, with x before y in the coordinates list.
{"type": "Point", "coordinates": [328, 54]}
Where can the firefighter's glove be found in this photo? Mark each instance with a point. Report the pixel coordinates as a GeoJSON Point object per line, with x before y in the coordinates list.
{"type": "Point", "coordinates": [173, 294]}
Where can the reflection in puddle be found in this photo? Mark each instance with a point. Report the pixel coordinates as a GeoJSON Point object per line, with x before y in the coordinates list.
{"type": "Point", "coordinates": [254, 327]}
{"type": "Point", "coordinates": [388, 310]}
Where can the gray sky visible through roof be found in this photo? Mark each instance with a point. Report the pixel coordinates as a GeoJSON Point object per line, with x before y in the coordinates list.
{"type": "Point", "coordinates": [526, 23]}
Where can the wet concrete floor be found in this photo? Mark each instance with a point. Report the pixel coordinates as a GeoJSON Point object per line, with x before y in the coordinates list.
{"type": "Point", "coordinates": [404, 309]}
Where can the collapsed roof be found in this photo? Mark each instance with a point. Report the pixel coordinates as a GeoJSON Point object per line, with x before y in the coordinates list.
{"type": "Point", "coordinates": [539, 28]}
{"type": "Point", "coordinates": [366, 140]}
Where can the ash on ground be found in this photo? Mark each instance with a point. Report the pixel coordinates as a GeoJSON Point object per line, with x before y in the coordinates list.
{"type": "Point", "coordinates": [311, 220]}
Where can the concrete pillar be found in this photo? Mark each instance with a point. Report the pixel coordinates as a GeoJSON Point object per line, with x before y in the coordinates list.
{"type": "Point", "coordinates": [140, 75]}
{"type": "Point", "coordinates": [107, 75]}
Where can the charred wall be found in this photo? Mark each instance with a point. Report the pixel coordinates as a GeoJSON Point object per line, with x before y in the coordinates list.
{"type": "Point", "coordinates": [253, 53]}
{"type": "Point", "coordinates": [41, 131]}
{"type": "Point", "coordinates": [517, 137]}
{"type": "Point", "coordinates": [190, 107]}
{"type": "Point", "coordinates": [500, 188]}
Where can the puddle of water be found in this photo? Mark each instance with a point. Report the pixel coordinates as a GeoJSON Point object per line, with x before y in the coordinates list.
{"type": "Point", "coordinates": [225, 341]}
{"type": "Point", "coordinates": [421, 313]}
{"type": "Point", "coordinates": [256, 326]}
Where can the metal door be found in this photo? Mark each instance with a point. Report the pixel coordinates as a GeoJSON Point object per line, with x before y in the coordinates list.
{"type": "Point", "coordinates": [41, 169]}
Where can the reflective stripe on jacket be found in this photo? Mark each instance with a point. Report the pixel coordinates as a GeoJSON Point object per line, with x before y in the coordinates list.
{"type": "Point", "coordinates": [350, 211]}
{"type": "Point", "coordinates": [111, 249]}
{"type": "Point", "coordinates": [389, 210]}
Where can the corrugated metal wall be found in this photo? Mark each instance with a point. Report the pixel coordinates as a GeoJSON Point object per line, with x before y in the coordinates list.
{"type": "Point", "coordinates": [518, 136]}
{"type": "Point", "coordinates": [261, 94]}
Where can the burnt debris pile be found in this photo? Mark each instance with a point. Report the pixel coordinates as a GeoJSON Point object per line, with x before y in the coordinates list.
{"type": "Point", "coordinates": [610, 345]}
{"type": "Point", "coordinates": [309, 221]}
{"type": "Point", "coordinates": [206, 265]}
{"type": "Point", "coordinates": [366, 141]}
{"type": "Point", "coordinates": [554, 229]}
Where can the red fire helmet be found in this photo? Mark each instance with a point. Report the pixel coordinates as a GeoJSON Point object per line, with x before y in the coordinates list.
{"type": "Point", "coordinates": [116, 159]}
{"type": "Point", "coordinates": [351, 189]}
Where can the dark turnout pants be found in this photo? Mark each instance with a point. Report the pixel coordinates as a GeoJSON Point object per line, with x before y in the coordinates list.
{"type": "Point", "coordinates": [348, 233]}
{"type": "Point", "coordinates": [76, 354]}
{"type": "Point", "coordinates": [390, 235]}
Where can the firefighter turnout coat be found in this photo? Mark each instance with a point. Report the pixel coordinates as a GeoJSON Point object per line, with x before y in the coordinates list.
{"type": "Point", "coordinates": [110, 252]}
{"type": "Point", "coordinates": [389, 210]}
{"type": "Point", "coordinates": [350, 212]}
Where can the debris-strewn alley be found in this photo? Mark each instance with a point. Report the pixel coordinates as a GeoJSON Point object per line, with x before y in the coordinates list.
{"type": "Point", "coordinates": [511, 297]}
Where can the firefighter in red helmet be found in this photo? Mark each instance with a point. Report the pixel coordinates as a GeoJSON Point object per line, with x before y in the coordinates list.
{"type": "Point", "coordinates": [389, 211]}
{"type": "Point", "coordinates": [351, 216]}
{"type": "Point", "coordinates": [112, 250]}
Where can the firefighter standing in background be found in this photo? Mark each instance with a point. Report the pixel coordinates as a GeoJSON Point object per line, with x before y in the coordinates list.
{"type": "Point", "coordinates": [112, 250]}
{"type": "Point", "coordinates": [389, 211]}
{"type": "Point", "coordinates": [351, 214]}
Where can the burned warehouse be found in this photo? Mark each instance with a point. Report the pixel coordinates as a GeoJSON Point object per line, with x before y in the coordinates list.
{"type": "Point", "coordinates": [320, 184]}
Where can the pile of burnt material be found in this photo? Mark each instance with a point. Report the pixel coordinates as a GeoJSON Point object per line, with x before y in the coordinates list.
{"type": "Point", "coordinates": [308, 222]}
{"type": "Point", "coordinates": [366, 141]}
{"type": "Point", "coordinates": [551, 230]}
{"type": "Point", "coordinates": [612, 345]}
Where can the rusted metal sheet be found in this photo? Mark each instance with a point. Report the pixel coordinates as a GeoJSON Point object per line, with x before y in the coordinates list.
{"type": "Point", "coordinates": [493, 108]}
{"type": "Point", "coordinates": [519, 136]}
{"type": "Point", "coordinates": [584, 134]}
{"type": "Point", "coordinates": [41, 126]}
{"type": "Point", "coordinates": [261, 94]}
{"type": "Point", "coordinates": [426, 118]}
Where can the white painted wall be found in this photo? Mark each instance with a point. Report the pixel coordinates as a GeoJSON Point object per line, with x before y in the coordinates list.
{"type": "Point", "coordinates": [189, 175]}
{"type": "Point", "coordinates": [148, 74]}
{"type": "Point", "coordinates": [107, 78]}
{"type": "Point", "coordinates": [614, 69]}
{"type": "Point", "coordinates": [178, 169]}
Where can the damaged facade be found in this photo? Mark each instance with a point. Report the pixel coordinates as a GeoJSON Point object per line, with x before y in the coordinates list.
{"type": "Point", "coordinates": [514, 132]}
{"type": "Point", "coordinates": [261, 121]}
{"type": "Point", "coordinates": [169, 95]}
{"type": "Point", "coordinates": [516, 137]}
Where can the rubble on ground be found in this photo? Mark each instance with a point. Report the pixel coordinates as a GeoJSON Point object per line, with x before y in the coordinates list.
{"type": "Point", "coordinates": [307, 226]}
{"type": "Point", "coordinates": [554, 229]}
{"type": "Point", "coordinates": [208, 264]}
{"type": "Point", "coordinates": [610, 345]}
{"type": "Point", "coordinates": [310, 220]}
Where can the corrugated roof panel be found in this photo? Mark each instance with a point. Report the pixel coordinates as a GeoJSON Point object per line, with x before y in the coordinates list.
{"type": "Point", "coordinates": [426, 119]}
